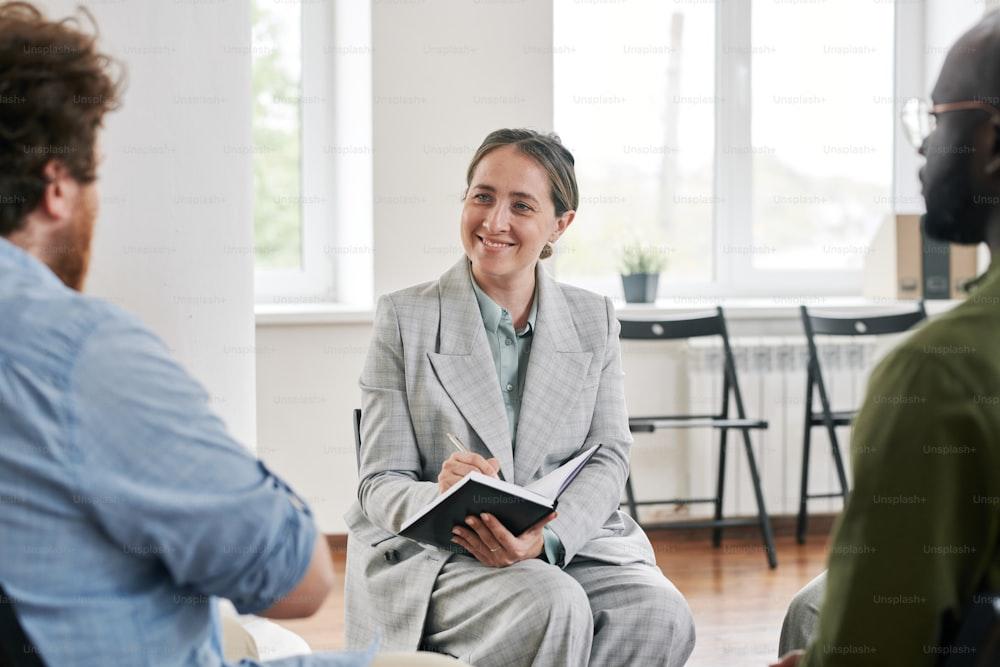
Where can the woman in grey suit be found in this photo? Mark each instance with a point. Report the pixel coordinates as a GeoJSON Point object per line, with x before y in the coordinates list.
{"type": "Point", "coordinates": [526, 372]}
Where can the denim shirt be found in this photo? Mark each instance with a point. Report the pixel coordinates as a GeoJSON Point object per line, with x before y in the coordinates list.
{"type": "Point", "coordinates": [125, 506]}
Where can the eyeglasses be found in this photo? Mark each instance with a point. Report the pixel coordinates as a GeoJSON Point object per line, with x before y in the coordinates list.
{"type": "Point", "coordinates": [919, 118]}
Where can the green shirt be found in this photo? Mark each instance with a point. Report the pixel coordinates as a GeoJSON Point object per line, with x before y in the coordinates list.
{"type": "Point", "coordinates": [510, 350]}
{"type": "Point", "coordinates": [920, 532]}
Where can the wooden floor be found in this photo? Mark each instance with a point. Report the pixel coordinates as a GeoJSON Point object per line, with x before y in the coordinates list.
{"type": "Point", "coordinates": [737, 602]}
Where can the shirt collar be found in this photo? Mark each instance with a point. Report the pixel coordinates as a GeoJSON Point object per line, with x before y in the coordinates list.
{"type": "Point", "coordinates": [987, 276]}
{"type": "Point", "coordinates": [492, 312]}
{"type": "Point", "coordinates": [12, 256]}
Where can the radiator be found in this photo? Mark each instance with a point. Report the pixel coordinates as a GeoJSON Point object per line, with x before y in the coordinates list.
{"type": "Point", "coordinates": [686, 377]}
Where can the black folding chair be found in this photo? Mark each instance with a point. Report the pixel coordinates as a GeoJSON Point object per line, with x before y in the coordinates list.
{"type": "Point", "coordinates": [16, 650]}
{"type": "Point", "coordinates": [693, 326]}
{"type": "Point", "coordinates": [826, 416]}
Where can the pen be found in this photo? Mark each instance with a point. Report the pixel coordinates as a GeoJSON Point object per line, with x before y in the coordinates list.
{"type": "Point", "coordinates": [458, 443]}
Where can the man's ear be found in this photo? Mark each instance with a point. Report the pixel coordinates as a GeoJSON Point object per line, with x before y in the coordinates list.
{"type": "Point", "coordinates": [562, 224]}
{"type": "Point", "coordinates": [61, 190]}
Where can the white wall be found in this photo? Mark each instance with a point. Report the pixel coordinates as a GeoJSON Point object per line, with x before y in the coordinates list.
{"type": "Point", "coordinates": [307, 386]}
{"type": "Point", "coordinates": [444, 75]}
{"type": "Point", "coordinates": [174, 237]}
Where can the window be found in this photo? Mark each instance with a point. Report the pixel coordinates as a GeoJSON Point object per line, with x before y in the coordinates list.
{"type": "Point", "coordinates": [751, 144]}
{"type": "Point", "coordinates": [311, 125]}
{"type": "Point", "coordinates": [644, 74]}
{"type": "Point", "coordinates": [822, 127]}
{"type": "Point", "coordinates": [277, 134]}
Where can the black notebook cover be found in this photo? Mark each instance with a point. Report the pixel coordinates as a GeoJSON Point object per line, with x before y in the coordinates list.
{"type": "Point", "coordinates": [477, 496]}
{"type": "Point", "coordinates": [516, 514]}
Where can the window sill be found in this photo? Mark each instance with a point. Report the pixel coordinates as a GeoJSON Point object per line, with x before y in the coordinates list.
{"type": "Point", "coordinates": [773, 308]}
{"type": "Point", "coordinates": [778, 308]}
{"type": "Point", "coordinates": [297, 314]}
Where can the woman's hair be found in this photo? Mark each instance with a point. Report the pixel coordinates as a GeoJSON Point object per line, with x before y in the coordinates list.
{"type": "Point", "coordinates": [547, 150]}
{"type": "Point", "coordinates": [55, 87]}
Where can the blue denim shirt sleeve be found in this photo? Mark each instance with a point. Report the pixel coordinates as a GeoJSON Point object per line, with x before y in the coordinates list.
{"type": "Point", "coordinates": [160, 474]}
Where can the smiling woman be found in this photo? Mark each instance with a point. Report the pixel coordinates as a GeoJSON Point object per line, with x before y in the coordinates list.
{"type": "Point", "coordinates": [522, 195]}
{"type": "Point", "coordinates": [527, 373]}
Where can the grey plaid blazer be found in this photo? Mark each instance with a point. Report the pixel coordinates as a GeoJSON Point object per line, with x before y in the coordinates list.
{"type": "Point", "coordinates": [429, 371]}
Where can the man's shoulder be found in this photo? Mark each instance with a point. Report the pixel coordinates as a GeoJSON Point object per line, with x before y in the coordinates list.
{"type": "Point", "coordinates": [954, 357]}
{"type": "Point", "coordinates": [962, 341]}
{"type": "Point", "coordinates": [46, 329]}
{"type": "Point", "coordinates": [968, 322]}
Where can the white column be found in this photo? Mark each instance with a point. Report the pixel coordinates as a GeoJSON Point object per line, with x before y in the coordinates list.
{"type": "Point", "coordinates": [174, 238]}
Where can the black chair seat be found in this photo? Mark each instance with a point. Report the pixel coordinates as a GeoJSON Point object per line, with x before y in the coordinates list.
{"type": "Point", "coordinates": [650, 424]}
{"type": "Point", "coordinates": [840, 418]}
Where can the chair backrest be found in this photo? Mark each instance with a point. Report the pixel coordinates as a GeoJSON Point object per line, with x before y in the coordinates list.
{"type": "Point", "coordinates": [357, 437]}
{"type": "Point", "coordinates": [976, 641]}
{"type": "Point", "coordinates": [690, 325]}
{"type": "Point", "coordinates": [693, 325]}
{"type": "Point", "coordinates": [16, 649]}
{"type": "Point", "coordinates": [877, 325]}
{"type": "Point", "coordinates": [827, 325]}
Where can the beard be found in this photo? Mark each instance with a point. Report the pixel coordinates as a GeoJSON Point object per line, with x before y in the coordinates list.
{"type": "Point", "coordinates": [956, 212]}
{"type": "Point", "coordinates": [69, 254]}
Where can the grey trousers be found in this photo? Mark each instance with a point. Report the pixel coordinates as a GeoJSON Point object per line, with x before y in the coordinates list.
{"type": "Point", "coordinates": [802, 616]}
{"type": "Point", "coordinates": [534, 613]}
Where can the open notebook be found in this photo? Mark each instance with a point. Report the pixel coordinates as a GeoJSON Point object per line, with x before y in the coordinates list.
{"type": "Point", "coordinates": [516, 507]}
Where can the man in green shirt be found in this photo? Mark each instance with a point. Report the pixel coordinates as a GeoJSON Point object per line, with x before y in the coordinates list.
{"type": "Point", "coordinates": [919, 538]}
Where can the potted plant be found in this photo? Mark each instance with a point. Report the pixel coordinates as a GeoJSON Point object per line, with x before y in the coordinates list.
{"type": "Point", "coordinates": [641, 266]}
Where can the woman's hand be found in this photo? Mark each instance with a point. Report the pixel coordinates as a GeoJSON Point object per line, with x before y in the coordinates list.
{"type": "Point", "coordinates": [460, 464]}
{"type": "Point", "coordinates": [493, 545]}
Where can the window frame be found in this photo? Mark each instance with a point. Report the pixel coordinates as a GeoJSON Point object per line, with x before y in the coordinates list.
{"type": "Point", "coordinates": [336, 162]}
{"type": "Point", "coordinates": [733, 273]}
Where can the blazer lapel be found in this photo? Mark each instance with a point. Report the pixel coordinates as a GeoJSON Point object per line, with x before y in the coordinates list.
{"type": "Point", "coordinates": [465, 368]}
{"type": "Point", "coordinates": [557, 367]}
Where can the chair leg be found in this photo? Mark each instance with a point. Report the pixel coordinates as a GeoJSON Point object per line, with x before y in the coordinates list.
{"type": "Point", "coordinates": [765, 520]}
{"type": "Point", "coordinates": [838, 461]}
{"type": "Point", "coordinates": [803, 517]}
{"type": "Point", "coordinates": [630, 495]}
{"type": "Point", "coordinates": [801, 523]}
{"type": "Point", "coordinates": [720, 487]}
